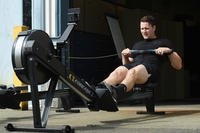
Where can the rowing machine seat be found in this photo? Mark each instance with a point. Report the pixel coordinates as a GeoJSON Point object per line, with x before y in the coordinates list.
{"type": "Point", "coordinates": [144, 92]}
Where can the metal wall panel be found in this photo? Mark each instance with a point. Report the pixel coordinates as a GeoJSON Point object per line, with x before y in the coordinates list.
{"type": "Point", "coordinates": [10, 16]}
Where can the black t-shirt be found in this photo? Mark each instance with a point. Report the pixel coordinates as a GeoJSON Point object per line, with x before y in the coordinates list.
{"type": "Point", "coordinates": [151, 44]}
{"type": "Point", "coordinates": [152, 62]}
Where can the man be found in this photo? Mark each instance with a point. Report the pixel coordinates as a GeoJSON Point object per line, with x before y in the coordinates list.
{"type": "Point", "coordinates": [141, 68]}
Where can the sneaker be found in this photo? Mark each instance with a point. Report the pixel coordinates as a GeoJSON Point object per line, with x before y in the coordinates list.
{"type": "Point", "coordinates": [101, 85]}
{"type": "Point", "coordinates": [111, 89]}
{"type": "Point", "coordinates": [119, 91]}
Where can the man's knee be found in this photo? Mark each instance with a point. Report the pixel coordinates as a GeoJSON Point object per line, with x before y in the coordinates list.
{"type": "Point", "coordinates": [121, 71]}
{"type": "Point", "coordinates": [117, 75]}
{"type": "Point", "coordinates": [139, 74]}
{"type": "Point", "coordinates": [132, 72]}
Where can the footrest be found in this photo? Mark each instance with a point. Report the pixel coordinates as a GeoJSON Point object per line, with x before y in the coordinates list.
{"type": "Point", "coordinates": [106, 101]}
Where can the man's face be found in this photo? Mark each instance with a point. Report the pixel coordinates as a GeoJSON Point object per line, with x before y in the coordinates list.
{"type": "Point", "coordinates": [147, 30]}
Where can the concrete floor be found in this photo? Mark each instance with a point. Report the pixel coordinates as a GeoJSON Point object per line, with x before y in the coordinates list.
{"type": "Point", "coordinates": [179, 118]}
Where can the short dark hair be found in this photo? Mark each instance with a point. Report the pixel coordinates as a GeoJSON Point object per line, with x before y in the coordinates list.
{"type": "Point", "coordinates": [148, 18]}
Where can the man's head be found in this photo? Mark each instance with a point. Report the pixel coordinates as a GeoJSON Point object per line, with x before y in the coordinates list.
{"type": "Point", "coordinates": [148, 27]}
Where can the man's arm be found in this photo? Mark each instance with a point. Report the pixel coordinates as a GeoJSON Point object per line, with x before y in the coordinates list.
{"type": "Point", "coordinates": [126, 56]}
{"type": "Point", "coordinates": [174, 58]}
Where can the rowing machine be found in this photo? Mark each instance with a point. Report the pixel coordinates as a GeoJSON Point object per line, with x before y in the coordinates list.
{"type": "Point", "coordinates": [36, 61]}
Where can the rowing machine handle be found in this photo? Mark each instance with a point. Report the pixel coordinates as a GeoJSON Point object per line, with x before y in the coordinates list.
{"type": "Point", "coordinates": [149, 51]}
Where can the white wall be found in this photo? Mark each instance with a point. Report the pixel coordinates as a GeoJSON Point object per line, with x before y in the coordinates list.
{"type": "Point", "coordinates": [10, 16]}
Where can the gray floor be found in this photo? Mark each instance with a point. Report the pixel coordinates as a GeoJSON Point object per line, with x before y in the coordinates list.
{"type": "Point", "coordinates": [178, 119]}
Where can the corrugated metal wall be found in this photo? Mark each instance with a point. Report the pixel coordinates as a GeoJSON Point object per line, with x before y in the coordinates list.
{"type": "Point", "coordinates": [10, 16]}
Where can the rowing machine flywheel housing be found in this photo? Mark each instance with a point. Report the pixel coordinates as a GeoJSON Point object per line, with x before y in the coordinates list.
{"type": "Point", "coordinates": [25, 46]}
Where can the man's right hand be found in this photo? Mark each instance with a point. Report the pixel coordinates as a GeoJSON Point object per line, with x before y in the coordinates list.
{"type": "Point", "coordinates": [126, 52]}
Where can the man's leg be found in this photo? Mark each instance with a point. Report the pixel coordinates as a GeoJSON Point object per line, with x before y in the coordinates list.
{"type": "Point", "coordinates": [136, 75]}
{"type": "Point", "coordinates": [125, 79]}
{"type": "Point", "coordinates": [117, 76]}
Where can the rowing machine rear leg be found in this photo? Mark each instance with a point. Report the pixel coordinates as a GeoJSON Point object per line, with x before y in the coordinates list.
{"type": "Point", "coordinates": [150, 107]}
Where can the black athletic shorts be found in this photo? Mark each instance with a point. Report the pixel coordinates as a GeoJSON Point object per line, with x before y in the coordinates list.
{"type": "Point", "coordinates": [151, 69]}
